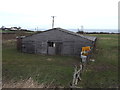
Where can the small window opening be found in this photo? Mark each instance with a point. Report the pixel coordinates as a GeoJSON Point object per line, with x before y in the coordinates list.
{"type": "Point", "coordinates": [51, 44]}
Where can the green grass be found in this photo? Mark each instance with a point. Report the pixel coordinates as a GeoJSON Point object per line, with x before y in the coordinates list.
{"type": "Point", "coordinates": [104, 71]}
{"type": "Point", "coordinates": [59, 69]}
{"type": "Point", "coordinates": [43, 69]}
{"type": "Point", "coordinates": [22, 32]}
{"type": "Point", "coordinates": [7, 31]}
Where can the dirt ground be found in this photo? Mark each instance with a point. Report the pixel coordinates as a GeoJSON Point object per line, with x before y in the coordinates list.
{"type": "Point", "coordinates": [8, 36]}
{"type": "Point", "coordinates": [22, 84]}
{"type": "Point", "coordinates": [30, 83]}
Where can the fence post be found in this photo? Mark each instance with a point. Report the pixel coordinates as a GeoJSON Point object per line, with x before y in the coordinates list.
{"type": "Point", "coordinates": [77, 75]}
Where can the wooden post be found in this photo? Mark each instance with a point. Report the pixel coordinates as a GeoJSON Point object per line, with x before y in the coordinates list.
{"type": "Point", "coordinates": [77, 75]}
{"type": "Point", "coordinates": [74, 75]}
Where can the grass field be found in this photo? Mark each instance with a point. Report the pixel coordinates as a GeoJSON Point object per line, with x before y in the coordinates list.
{"type": "Point", "coordinates": [58, 70]}
{"type": "Point", "coordinates": [43, 69]}
{"type": "Point", "coordinates": [104, 71]}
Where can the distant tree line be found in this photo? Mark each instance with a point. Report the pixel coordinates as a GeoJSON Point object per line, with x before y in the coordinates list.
{"type": "Point", "coordinates": [82, 32]}
{"type": "Point", "coordinates": [3, 28]}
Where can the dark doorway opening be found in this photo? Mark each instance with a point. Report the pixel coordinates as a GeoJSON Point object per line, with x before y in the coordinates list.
{"type": "Point", "coordinates": [51, 44]}
{"type": "Point", "coordinates": [58, 48]}
{"type": "Point", "coordinates": [54, 48]}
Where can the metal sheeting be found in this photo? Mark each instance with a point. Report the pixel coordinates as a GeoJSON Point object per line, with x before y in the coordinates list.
{"type": "Point", "coordinates": [92, 38]}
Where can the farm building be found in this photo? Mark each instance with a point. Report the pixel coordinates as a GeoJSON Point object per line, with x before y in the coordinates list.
{"type": "Point", "coordinates": [56, 41]}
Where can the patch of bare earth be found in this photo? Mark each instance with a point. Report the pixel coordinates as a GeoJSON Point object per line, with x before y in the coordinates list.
{"type": "Point", "coordinates": [49, 59]}
{"type": "Point", "coordinates": [22, 84]}
{"type": "Point", "coordinates": [30, 83]}
{"type": "Point", "coordinates": [103, 67]}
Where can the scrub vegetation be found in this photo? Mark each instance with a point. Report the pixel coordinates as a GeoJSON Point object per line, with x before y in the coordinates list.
{"type": "Point", "coordinates": [57, 71]}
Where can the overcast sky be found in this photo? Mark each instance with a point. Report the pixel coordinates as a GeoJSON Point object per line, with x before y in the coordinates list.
{"type": "Point", "coordinates": [92, 14]}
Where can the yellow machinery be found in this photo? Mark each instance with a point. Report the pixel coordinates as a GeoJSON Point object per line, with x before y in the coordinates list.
{"type": "Point", "coordinates": [85, 50]}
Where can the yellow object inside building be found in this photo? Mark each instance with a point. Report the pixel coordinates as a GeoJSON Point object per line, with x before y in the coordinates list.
{"type": "Point", "coordinates": [85, 50]}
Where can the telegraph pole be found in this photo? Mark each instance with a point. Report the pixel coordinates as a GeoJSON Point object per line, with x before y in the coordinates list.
{"type": "Point", "coordinates": [37, 28]}
{"type": "Point", "coordinates": [82, 28]}
{"type": "Point", "coordinates": [53, 21]}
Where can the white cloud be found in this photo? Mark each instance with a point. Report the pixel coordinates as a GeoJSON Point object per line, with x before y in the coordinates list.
{"type": "Point", "coordinates": [69, 13]}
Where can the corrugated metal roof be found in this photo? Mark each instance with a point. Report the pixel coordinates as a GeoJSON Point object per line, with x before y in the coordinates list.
{"type": "Point", "coordinates": [91, 38]}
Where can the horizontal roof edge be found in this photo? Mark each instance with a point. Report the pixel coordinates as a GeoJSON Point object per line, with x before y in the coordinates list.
{"type": "Point", "coordinates": [90, 38]}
